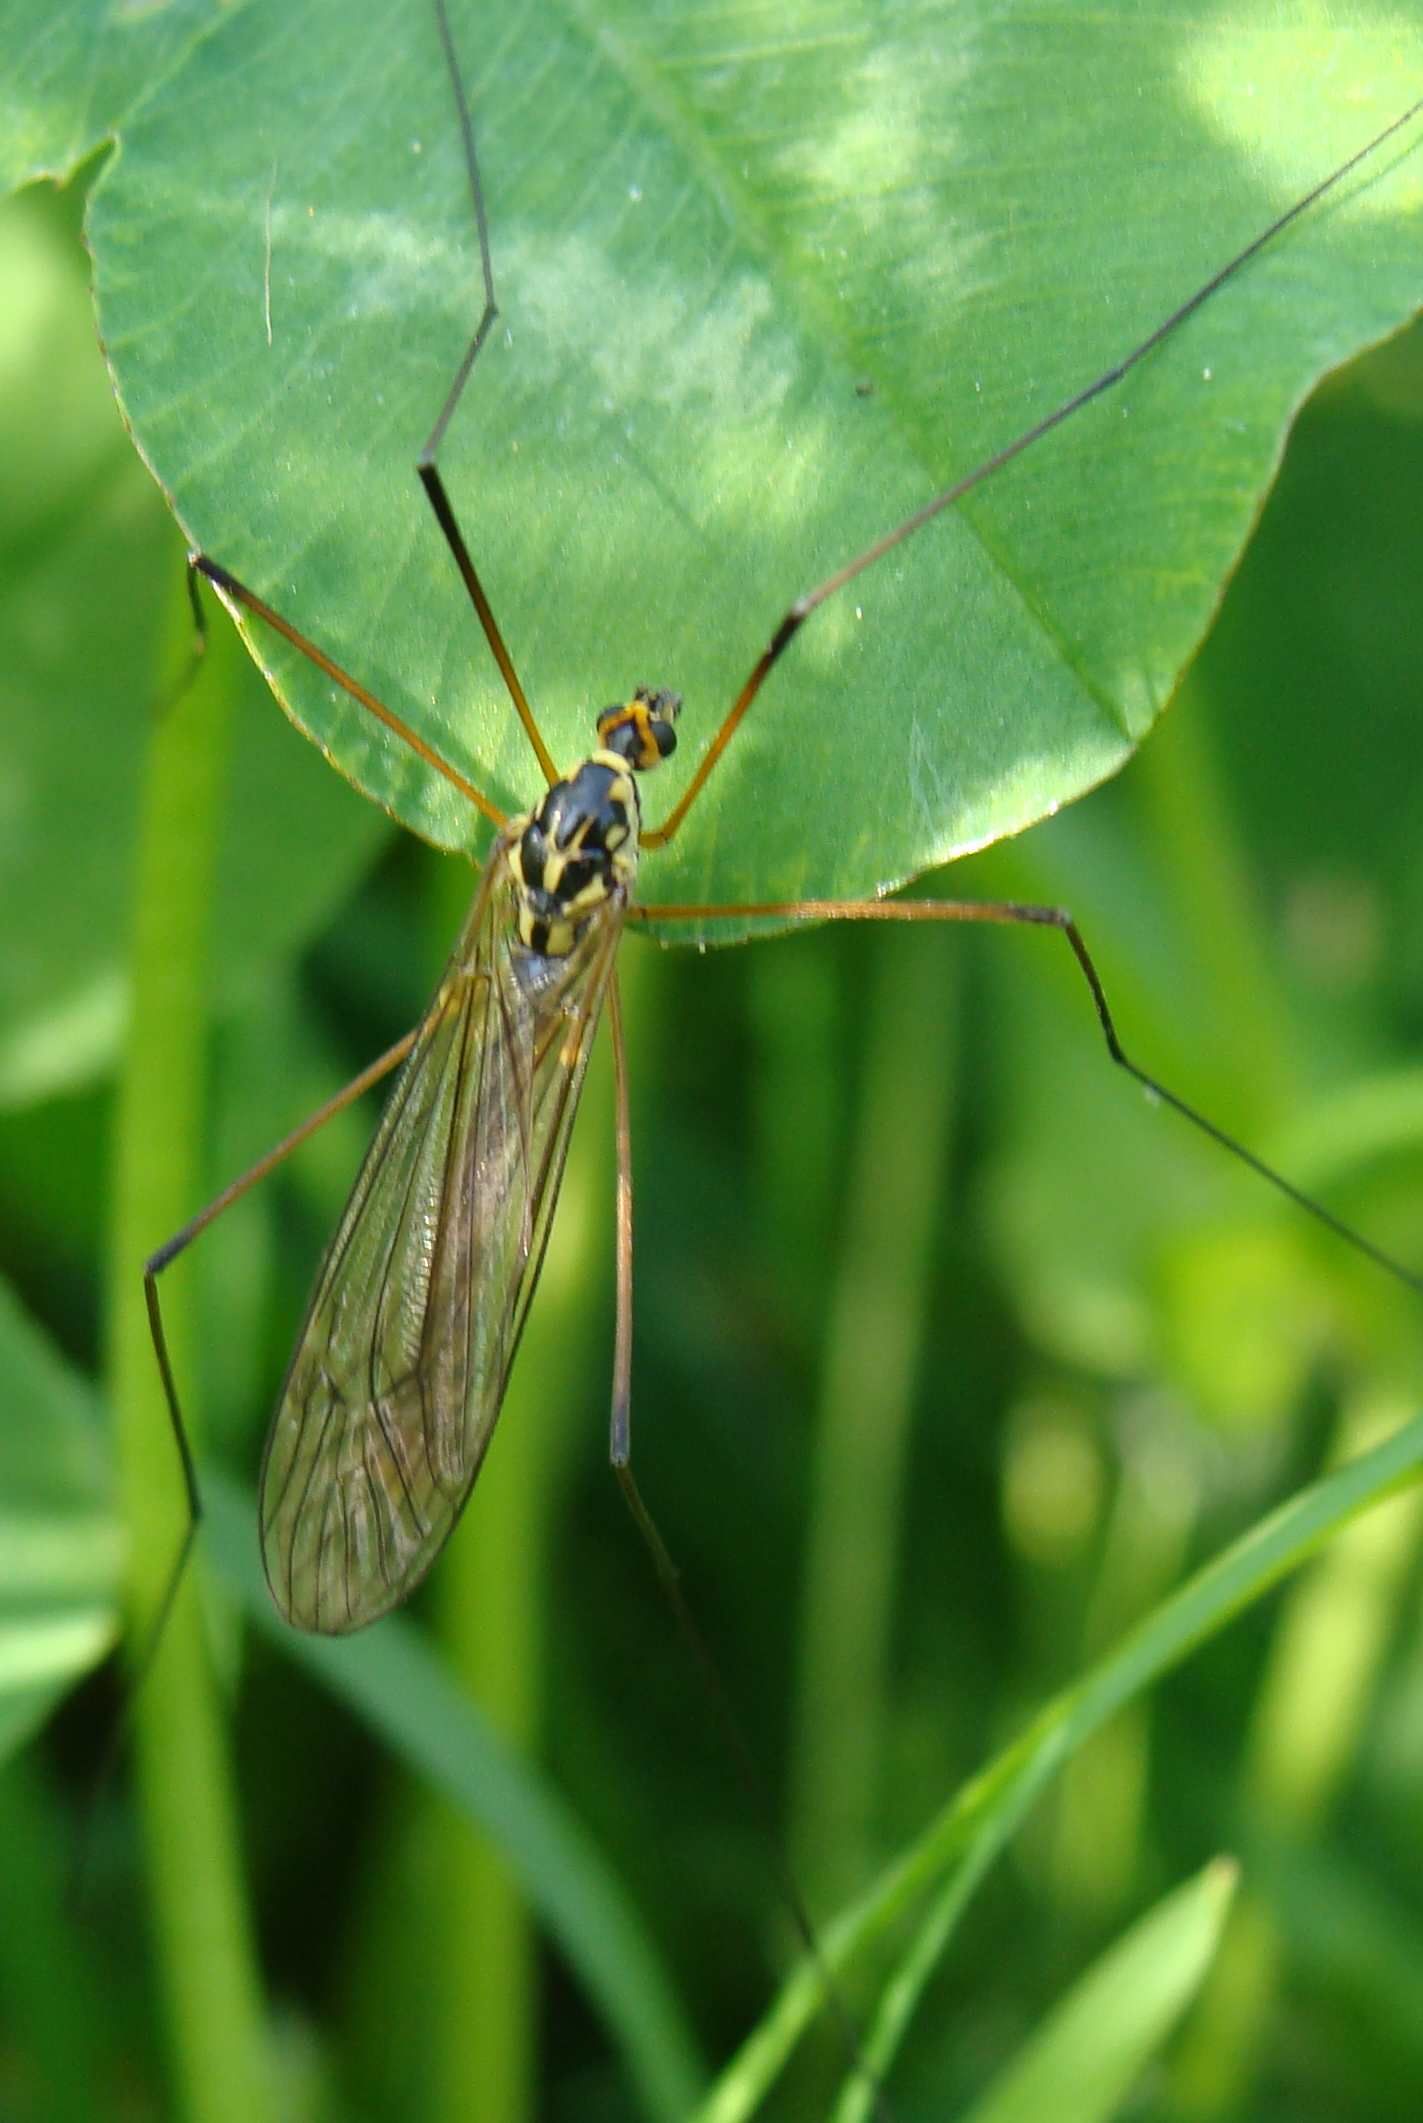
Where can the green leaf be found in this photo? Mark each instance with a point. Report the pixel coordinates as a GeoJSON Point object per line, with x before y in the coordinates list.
{"type": "Point", "coordinates": [760, 298]}
{"type": "Point", "coordinates": [1084, 2059]}
{"type": "Point", "coordinates": [60, 1545]}
{"type": "Point", "coordinates": [91, 566]}
{"type": "Point", "coordinates": [950, 1858]}
{"type": "Point", "coordinates": [74, 70]}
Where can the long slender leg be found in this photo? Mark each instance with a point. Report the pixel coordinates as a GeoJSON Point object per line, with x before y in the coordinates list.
{"type": "Point", "coordinates": [425, 465]}
{"type": "Point", "coordinates": [1021, 914]}
{"type": "Point", "coordinates": [669, 1577]}
{"type": "Point", "coordinates": [620, 1432]}
{"type": "Point", "coordinates": [197, 649]}
{"type": "Point", "coordinates": [620, 1426]}
{"type": "Point", "coordinates": [797, 614]}
{"type": "Point", "coordinates": [229, 587]}
{"type": "Point", "coordinates": [164, 1257]}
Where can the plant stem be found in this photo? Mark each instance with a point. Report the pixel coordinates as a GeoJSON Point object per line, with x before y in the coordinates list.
{"type": "Point", "coordinates": [206, 1964]}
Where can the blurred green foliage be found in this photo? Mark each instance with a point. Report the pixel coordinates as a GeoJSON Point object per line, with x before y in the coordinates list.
{"type": "Point", "coordinates": [953, 1359]}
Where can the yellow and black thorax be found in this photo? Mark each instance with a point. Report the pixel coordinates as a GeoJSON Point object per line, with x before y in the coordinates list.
{"type": "Point", "coordinates": [580, 846]}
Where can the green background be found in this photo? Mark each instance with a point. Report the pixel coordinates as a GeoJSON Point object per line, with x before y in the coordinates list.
{"type": "Point", "coordinates": [953, 1357]}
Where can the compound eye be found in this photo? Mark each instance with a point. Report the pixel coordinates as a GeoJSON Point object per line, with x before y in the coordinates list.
{"type": "Point", "coordinates": [617, 731]}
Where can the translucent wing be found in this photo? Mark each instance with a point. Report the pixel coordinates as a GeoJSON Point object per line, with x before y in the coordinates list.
{"type": "Point", "coordinates": [401, 1366]}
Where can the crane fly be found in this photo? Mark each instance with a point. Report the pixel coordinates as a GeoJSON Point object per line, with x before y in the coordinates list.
{"type": "Point", "coordinates": [400, 1368]}
{"type": "Point", "coordinates": [401, 1365]}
